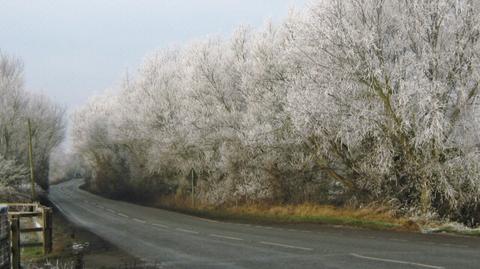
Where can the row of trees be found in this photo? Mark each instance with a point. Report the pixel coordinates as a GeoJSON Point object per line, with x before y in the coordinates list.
{"type": "Point", "coordinates": [16, 107]}
{"type": "Point", "coordinates": [350, 101]}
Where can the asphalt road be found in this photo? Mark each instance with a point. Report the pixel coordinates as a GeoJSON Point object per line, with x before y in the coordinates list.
{"type": "Point", "coordinates": [181, 241]}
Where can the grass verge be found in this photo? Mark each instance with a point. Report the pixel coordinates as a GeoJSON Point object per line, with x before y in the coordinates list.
{"type": "Point", "coordinates": [380, 218]}
{"type": "Point", "coordinates": [373, 217]}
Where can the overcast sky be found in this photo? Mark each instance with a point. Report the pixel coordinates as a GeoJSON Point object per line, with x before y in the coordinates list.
{"type": "Point", "coordinates": [74, 49]}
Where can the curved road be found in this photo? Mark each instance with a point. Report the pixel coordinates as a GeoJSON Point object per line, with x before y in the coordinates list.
{"type": "Point", "coordinates": [181, 241]}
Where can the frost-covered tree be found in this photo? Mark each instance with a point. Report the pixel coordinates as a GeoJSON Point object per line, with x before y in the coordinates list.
{"type": "Point", "coordinates": [92, 139]}
{"type": "Point", "coordinates": [389, 93]}
{"type": "Point", "coordinates": [13, 101]}
{"type": "Point", "coordinates": [65, 165]}
{"type": "Point", "coordinates": [353, 101]}
{"type": "Point", "coordinates": [11, 174]}
{"type": "Point", "coordinates": [18, 105]}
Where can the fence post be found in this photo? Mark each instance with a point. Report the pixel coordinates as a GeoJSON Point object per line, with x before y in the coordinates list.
{"type": "Point", "coordinates": [15, 235]}
{"type": "Point", "coordinates": [47, 230]}
{"type": "Point", "coordinates": [5, 250]}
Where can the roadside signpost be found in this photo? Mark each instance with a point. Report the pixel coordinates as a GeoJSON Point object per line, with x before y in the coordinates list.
{"type": "Point", "coordinates": [194, 183]}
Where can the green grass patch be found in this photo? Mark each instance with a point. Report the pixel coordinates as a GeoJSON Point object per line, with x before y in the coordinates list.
{"type": "Point", "coordinates": [31, 253]}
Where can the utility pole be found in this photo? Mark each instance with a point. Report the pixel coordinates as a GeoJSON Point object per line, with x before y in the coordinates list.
{"type": "Point", "coordinates": [30, 157]}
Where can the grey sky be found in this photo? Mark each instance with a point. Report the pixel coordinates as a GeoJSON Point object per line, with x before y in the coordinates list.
{"type": "Point", "coordinates": [73, 49]}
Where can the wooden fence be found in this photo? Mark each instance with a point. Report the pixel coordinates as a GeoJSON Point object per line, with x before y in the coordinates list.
{"type": "Point", "coordinates": [41, 218]}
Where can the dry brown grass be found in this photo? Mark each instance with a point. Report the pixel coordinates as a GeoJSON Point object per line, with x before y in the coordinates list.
{"type": "Point", "coordinates": [308, 210]}
{"type": "Point", "coordinates": [377, 217]}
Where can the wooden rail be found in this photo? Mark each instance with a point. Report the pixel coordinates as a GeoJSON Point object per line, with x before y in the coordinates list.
{"type": "Point", "coordinates": [31, 230]}
{"type": "Point", "coordinates": [25, 214]}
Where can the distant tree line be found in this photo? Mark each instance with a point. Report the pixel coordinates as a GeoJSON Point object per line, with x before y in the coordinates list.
{"type": "Point", "coordinates": [17, 106]}
{"type": "Point", "coordinates": [348, 102]}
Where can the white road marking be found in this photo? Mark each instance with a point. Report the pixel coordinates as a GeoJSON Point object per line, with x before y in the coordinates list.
{"type": "Point", "coordinates": [186, 231]}
{"type": "Point", "coordinates": [139, 220]}
{"type": "Point", "coordinates": [122, 215]}
{"type": "Point", "coordinates": [111, 210]}
{"type": "Point", "coordinates": [285, 246]}
{"type": "Point", "coordinates": [160, 225]}
{"type": "Point", "coordinates": [226, 237]}
{"type": "Point", "coordinates": [208, 220]}
{"type": "Point", "coordinates": [396, 261]}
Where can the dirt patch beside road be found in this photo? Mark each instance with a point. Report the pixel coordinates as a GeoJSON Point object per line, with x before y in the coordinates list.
{"type": "Point", "coordinates": [97, 253]}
